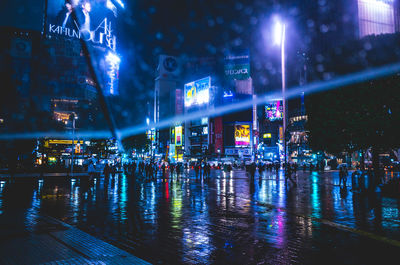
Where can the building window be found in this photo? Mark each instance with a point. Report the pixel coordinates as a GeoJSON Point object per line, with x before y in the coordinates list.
{"type": "Point", "coordinates": [375, 17]}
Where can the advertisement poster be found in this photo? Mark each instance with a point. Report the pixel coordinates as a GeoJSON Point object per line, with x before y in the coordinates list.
{"type": "Point", "coordinates": [178, 136]}
{"type": "Point", "coordinates": [237, 65]}
{"type": "Point", "coordinates": [197, 92]}
{"type": "Point", "coordinates": [93, 21]}
{"type": "Point", "coordinates": [274, 111]}
{"type": "Point", "coordinates": [242, 135]}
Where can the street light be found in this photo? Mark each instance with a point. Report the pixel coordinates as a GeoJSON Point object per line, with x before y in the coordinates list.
{"type": "Point", "coordinates": [72, 118]}
{"type": "Point", "coordinates": [279, 39]}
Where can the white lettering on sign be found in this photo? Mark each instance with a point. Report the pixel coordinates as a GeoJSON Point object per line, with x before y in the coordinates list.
{"type": "Point", "coordinates": [236, 71]}
{"type": "Point", "coordinates": [102, 35]}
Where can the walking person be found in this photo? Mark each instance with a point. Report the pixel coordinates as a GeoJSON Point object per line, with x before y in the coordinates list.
{"type": "Point", "coordinates": [252, 170]}
{"type": "Point", "coordinates": [208, 168]}
{"type": "Point", "coordinates": [260, 169]}
{"type": "Point", "coordinates": [197, 169]}
{"type": "Point", "coordinates": [106, 171]}
{"type": "Point", "coordinates": [277, 166]}
{"type": "Point", "coordinates": [354, 179]}
{"type": "Point", "coordinates": [171, 170]}
{"type": "Point", "coordinates": [340, 175]}
{"type": "Point", "coordinates": [91, 170]}
{"type": "Point", "coordinates": [343, 175]}
{"type": "Point", "coordinates": [288, 174]}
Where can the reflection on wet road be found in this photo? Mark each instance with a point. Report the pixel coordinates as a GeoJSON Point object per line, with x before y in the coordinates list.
{"type": "Point", "coordinates": [227, 219]}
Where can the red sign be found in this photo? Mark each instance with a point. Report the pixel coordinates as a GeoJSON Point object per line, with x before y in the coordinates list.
{"type": "Point", "coordinates": [218, 130]}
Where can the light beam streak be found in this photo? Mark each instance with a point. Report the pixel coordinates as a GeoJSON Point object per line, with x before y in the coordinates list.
{"type": "Point", "coordinates": [315, 87]}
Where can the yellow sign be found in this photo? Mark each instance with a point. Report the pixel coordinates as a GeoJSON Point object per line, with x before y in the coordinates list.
{"type": "Point", "coordinates": [64, 142]}
{"type": "Point", "coordinates": [77, 149]}
{"type": "Point", "coordinates": [267, 135]}
{"type": "Point", "coordinates": [191, 93]}
{"type": "Point", "coordinates": [242, 135]}
{"type": "Point", "coordinates": [281, 133]}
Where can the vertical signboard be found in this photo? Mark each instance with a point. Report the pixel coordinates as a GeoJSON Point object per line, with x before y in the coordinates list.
{"type": "Point", "coordinates": [242, 135]}
{"type": "Point", "coordinates": [237, 65]}
{"type": "Point", "coordinates": [93, 21]}
{"type": "Point", "coordinates": [178, 135]}
{"type": "Point", "coordinates": [178, 101]}
{"type": "Point", "coordinates": [280, 133]}
{"type": "Point", "coordinates": [218, 135]}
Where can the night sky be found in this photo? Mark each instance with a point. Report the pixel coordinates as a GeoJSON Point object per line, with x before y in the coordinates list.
{"type": "Point", "coordinates": [190, 29]}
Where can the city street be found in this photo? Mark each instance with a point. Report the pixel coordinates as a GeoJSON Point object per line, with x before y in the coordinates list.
{"type": "Point", "coordinates": [227, 219]}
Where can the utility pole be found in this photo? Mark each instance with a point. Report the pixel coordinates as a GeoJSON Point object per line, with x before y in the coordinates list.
{"type": "Point", "coordinates": [73, 118]}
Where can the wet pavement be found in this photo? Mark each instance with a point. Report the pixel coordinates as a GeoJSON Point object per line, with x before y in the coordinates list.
{"type": "Point", "coordinates": [227, 219]}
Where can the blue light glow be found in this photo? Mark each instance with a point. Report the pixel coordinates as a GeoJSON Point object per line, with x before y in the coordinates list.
{"type": "Point", "coordinates": [228, 94]}
{"type": "Point", "coordinates": [346, 80]}
{"type": "Point", "coordinates": [112, 73]}
{"type": "Point", "coordinates": [120, 3]}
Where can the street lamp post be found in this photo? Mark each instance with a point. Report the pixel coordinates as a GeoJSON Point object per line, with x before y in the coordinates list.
{"type": "Point", "coordinates": [73, 117]}
{"type": "Point", "coordinates": [279, 35]}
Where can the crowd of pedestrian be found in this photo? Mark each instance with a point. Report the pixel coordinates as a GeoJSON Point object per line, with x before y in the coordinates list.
{"type": "Point", "coordinates": [150, 170]}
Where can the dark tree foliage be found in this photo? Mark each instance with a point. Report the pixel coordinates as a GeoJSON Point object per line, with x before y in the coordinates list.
{"type": "Point", "coordinates": [136, 142]}
{"type": "Point", "coordinates": [356, 118]}
{"type": "Point", "coordinates": [361, 116]}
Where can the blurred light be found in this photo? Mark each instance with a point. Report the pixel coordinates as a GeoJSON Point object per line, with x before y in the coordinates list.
{"type": "Point", "coordinates": [278, 32]}
{"type": "Point", "coordinates": [267, 135]}
{"type": "Point", "coordinates": [147, 121]}
{"type": "Point", "coordinates": [112, 58]}
{"type": "Point", "coordinates": [120, 3]}
{"type": "Point", "coordinates": [228, 94]}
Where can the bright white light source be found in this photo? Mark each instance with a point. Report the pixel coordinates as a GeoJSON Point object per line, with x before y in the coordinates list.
{"type": "Point", "coordinates": [120, 3]}
{"type": "Point", "coordinates": [278, 32]}
{"type": "Point", "coordinates": [113, 58]}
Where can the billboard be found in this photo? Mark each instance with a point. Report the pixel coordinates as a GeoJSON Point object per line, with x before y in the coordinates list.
{"type": "Point", "coordinates": [91, 20]}
{"type": "Point", "coordinates": [237, 65]}
{"type": "Point", "coordinates": [197, 92]}
{"type": "Point", "coordinates": [281, 133]}
{"type": "Point", "coordinates": [274, 111]}
{"type": "Point", "coordinates": [178, 135]}
{"type": "Point", "coordinates": [242, 135]}
{"type": "Point", "coordinates": [111, 74]}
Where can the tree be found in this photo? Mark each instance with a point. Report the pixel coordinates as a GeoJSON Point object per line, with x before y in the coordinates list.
{"type": "Point", "coordinates": [355, 118]}
{"type": "Point", "coordinates": [136, 142]}
{"type": "Point", "coordinates": [361, 116]}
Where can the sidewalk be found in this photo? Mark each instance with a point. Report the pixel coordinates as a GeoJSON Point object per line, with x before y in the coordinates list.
{"type": "Point", "coordinates": [50, 241]}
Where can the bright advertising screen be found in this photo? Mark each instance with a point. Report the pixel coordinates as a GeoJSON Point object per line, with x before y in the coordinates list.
{"type": "Point", "coordinates": [197, 92]}
{"type": "Point", "coordinates": [93, 21]}
{"type": "Point", "coordinates": [274, 111]}
{"type": "Point", "coordinates": [178, 135]}
{"type": "Point", "coordinates": [242, 135]}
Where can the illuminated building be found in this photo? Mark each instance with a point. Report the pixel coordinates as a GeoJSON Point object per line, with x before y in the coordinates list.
{"type": "Point", "coordinates": [53, 68]}
{"type": "Point", "coordinates": [198, 96]}
{"type": "Point", "coordinates": [168, 101]}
